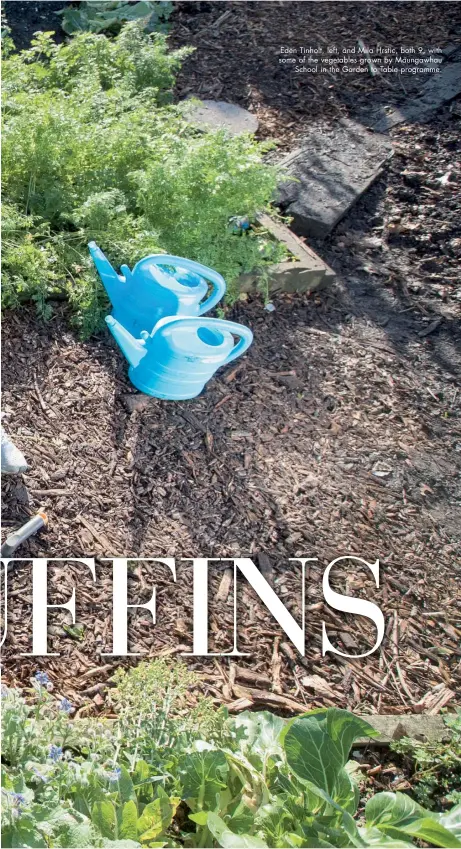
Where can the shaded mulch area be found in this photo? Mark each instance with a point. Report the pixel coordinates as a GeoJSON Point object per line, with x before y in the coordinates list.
{"type": "Point", "coordinates": [238, 50]}
{"type": "Point", "coordinates": [27, 18]}
{"type": "Point", "coordinates": [339, 433]}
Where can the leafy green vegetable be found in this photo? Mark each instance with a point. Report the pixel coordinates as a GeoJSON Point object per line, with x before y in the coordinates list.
{"type": "Point", "coordinates": [102, 16]}
{"type": "Point", "coordinates": [104, 818]}
{"type": "Point", "coordinates": [398, 815]}
{"type": "Point", "coordinates": [203, 776]}
{"type": "Point", "coordinates": [255, 780]}
{"type": "Point", "coordinates": [129, 821]}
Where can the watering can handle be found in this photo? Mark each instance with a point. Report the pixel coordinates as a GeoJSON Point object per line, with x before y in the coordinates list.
{"type": "Point", "coordinates": [218, 282]}
{"type": "Point", "coordinates": [219, 288]}
{"type": "Point", "coordinates": [246, 336]}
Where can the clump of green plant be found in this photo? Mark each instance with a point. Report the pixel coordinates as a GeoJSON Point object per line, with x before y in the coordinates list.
{"type": "Point", "coordinates": [157, 711]}
{"type": "Point", "coordinates": [255, 780]}
{"type": "Point", "coordinates": [436, 766]}
{"type": "Point", "coordinates": [109, 15]}
{"type": "Point", "coordinates": [108, 158]}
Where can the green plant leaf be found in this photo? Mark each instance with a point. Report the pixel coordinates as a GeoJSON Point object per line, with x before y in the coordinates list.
{"type": "Point", "coordinates": [104, 818]}
{"type": "Point", "coordinates": [375, 837]}
{"type": "Point", "coordinates": [291, 839]}
{"type": "Point", "coordinates": [273, 819]}
{"type": "Point", "coordinates": [73, 20]}
{"type": "Point", "coordinates": [125, 786]}
{"type": "Point", "coordinates": [312, 754]}
{"type": "Point", "coordinates": [431, 831]}
{"type": "Point", "coordinates": [203, 776]}
{"type": "Point", "coordinates": [156, 816]}
{"type": "Point", "coordinates": [452, 821]}
{"type": "Point", "coordinates": [128, 825]}
{"type": "Point", "coordinates": [343, 727]}
{"type": "Point", "coordinates": [96, 17]}
{"type": "Point", "coordinates": [26, 835]}
{"type": "Point", "coordinates": [150, 823]}
{"type": "Point", "coordinates": [346, 792]}
{"type": "Point", "coordinates": [141, 772]}
{"type": "Point", "coordinates": [398, 814]}
{"type": "Point", "coordinates": [200, 817]}
{"type": "Point", "coordinates": [394, 809]}
{"type": "Point", "coordinates": [259, 734]}
{"type": "Point", "coordinates": [227, 839]}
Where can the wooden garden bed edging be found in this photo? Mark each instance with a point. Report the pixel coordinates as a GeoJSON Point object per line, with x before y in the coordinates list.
{"type": "Point", "coordinates": [309, 272]}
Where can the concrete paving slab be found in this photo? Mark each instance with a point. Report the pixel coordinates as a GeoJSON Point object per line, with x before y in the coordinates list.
{"type": "Point", "coordinates": [332, 169]}
{"type": "Point", "coordinates": [219, 115]}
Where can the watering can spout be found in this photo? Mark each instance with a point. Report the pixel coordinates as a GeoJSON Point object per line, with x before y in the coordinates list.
{"type": "Point", "coordinates": [133, 349]}
{"type": "Point", "coordinates": [112, 282]}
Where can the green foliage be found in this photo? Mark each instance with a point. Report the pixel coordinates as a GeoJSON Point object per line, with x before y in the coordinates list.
{"type": "Point", "coordinates": [108, 16]}
{"type": "Point", "coordinates": [108, 158]}
{"type": "Point", "coordinates": [166, 774]}
{"type": "Point", "coordinates": [155, 715]}
{"type": "Point", "coordinates": [437, 765]}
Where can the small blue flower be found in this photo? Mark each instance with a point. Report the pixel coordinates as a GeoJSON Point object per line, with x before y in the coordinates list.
{"type": "Point", "coordinates": [55, 753]}
{"type": "Point", "coordinates": [18, 802]}
{"type": "Point", "coordinates": [42, 678]}
{"type": "Point", "coordinates": [114, 775]}
{"type": "Point", "coordinates": [65, 706]}
{"type": "Point", "coordinates": [39, 775]}
{"type": "Point", "coordinates": [4, 691]}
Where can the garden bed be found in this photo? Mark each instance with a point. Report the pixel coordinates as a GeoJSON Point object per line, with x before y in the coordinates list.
{"type": "Point", "coordinates": [170, 766]}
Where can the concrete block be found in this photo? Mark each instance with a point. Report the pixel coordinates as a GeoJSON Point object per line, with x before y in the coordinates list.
{"type": "Point", "coordinates": [419, 727]}
{"type": "Point", "coordinates": [332, 169]}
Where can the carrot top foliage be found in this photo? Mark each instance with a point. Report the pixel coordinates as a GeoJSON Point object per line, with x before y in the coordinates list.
{"type": "Point", "coordinates": [94, 149]}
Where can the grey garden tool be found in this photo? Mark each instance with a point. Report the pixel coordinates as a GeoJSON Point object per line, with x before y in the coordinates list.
{"type": "Point", "coordinates": [14, 540]}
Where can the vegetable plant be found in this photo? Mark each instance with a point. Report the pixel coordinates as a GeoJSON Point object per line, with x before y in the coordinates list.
{"type": "Point", "coordinates": [174, 771]}
{"type": "Point", "coordinates": [437, 764]}
{"type": "Point", "coordinates": [109, 16]}
{"type": "Point", "coordinates": [107, 157]}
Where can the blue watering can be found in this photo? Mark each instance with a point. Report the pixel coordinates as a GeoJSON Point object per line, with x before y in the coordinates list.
{"type": "Point", "coordinates": [180, 355]}
{"type": "Point", "coordinates": [150, 292]}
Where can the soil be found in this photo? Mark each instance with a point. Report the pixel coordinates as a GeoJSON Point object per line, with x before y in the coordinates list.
{"type": "Point", "coordinates": [339, 433]}
{"type": "Point", "coordinates": [25, 19]}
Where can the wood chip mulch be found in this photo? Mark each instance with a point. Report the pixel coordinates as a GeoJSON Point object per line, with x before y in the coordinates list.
{"type": "Point", "coordinates": [238, 51]}
{"type": "Point", "coordinates": [325, 440]}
